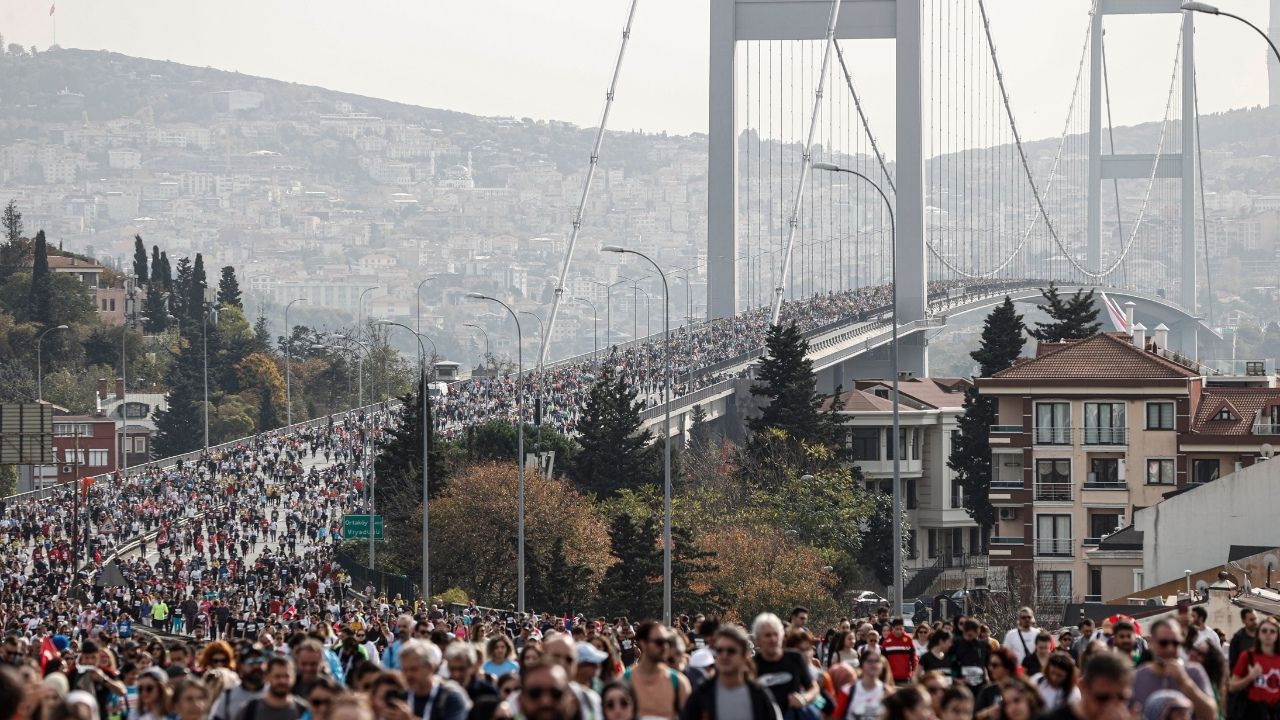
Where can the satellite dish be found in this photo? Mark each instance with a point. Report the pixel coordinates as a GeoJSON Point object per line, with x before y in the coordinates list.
{"type": "Point", "coordinates": [1271, 561]}
{"type": "Point", "coordinates": [1267, 451]}
{"type": "Point", "coordinates": [1202, 587]}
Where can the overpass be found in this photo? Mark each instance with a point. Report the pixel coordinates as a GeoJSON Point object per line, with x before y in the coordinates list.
{"type": "Point", "coordinates": [858, 348]}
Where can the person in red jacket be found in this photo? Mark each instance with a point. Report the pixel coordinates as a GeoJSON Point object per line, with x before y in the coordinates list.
{"type": "Point", "coordinates": [899, 651]}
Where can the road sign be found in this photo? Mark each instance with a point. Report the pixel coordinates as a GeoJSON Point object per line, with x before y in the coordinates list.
{"type": "Point", "coordinates": [356, 527]}
{"type": "Point", "coordinates": [26, 433]}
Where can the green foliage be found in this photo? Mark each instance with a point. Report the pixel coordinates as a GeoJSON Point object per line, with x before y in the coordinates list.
{"type": "Point", "coordinates": [155, 309]}
{"type": "Point", "coordinates": [231, 418]}
{"type": "Point", "coordinates": [180, 429]}
{"type": "Point", "coordinates": [140, 260]}
{"type": "Point", "coordinates": [819, 511]}
{"type": "Point", "coordinates": [877, 549]}
{"type": "Point", "coordinates": [787, 383]}
{"type": "Point", "coordinates": [615, 453]}
{"type": "Point", "coordinates": [632, 585]}
{"type": "Point", "coordinates": [398, 466]}
{"type": "Point", "coordinates": [8, 480]}
{"type": "Point", "coordinates": [102, 346]}
{"type": "Point", "coordinates": [229, 289]}
{"type": "Point", "coordinates": [971, 457]}
{"type": "Point", "coordinates": [40, 290]}
{"type": "Point", "coordinates": [1075, 318]}
{"type": "Point", "coordinates": [16, 251]}
{"type": "Point", "coordinates": [552, 580]}
{"type": "Point", "coordinates": [496, 440]}
{"type": "Point", "coordinates": [1002, 340]}
{"type": "Point", "coordinates": [452, 596]}
{"type": "Point", "coordinates": [180, 293]}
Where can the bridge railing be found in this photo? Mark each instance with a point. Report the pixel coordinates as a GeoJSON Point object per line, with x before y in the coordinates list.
{"type": "Point", "coordinates": [692, 398]}
{"type": "Point", "coordinates": [184, 458]}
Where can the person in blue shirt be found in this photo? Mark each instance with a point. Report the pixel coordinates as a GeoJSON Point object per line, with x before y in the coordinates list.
{"type": "Point", "coordinates": [500, 652]}
{"type": "Point", "coordinates": [404, 633]}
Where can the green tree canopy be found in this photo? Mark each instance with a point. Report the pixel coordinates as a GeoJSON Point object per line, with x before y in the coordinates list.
{"type": "Point", "coordinates": [229, 289]}
{"type": "Point", "coordinates": [786, 381]}
{"type": "Point", "coordinates": [140, 260]}
{"type": "Point", "coordinates": [1075, 318]}
{"type": "Point", "coordinates": [615, 452]}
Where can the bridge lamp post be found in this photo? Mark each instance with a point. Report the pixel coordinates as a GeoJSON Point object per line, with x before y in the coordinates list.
{"type": "Point", "coordinates": [288, 370]}
{"type": "Point", "coordinates": [893, 359]}
{"type": "Point", "coordinates": [359, 366]}
{"type": "Point", "coordinates": [519, 440]}
{"type": "Point", "coordinates": [595, 328]}
{"type": "Point", "coordinates": [608, 308]}
{"type": "Point", "coordinates": [40, 361]}
{"type": "Point", "coordinates": [1206, 8]}
{"type": "Point", "coordinates": [426, 461]}
{"type": "Point", "coordinates": [666, 432]}
{"type": "Point", "coordinates": [418, 296]}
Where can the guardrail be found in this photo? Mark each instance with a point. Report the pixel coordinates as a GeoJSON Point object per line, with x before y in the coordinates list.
{"type": "Point", "coordinates": [1053, 491]}
{"type": "Point", "coordinates": [1005, 540]}
{"type": "Point", "coordinates": [1054, 547]}
{"type": "Point", "coordinates": [694, 397]}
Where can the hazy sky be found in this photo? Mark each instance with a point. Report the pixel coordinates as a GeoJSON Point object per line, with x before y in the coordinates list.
{"type": "Point", "coordinates": [552, 58]}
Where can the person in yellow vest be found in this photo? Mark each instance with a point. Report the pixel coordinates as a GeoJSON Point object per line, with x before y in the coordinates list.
{"type": "Point", "coordinates": [160, 615]}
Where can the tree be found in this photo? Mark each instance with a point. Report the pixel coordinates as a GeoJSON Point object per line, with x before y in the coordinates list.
{"type": "Point", "coordinates": [156, 279]}
{"type": "Point", "coordinates": [398, 466]}
{"type": "Point", "coordinates": [261, 335]}
{"type": "Point", "coordinates": [140, 260]}
{"type": "Point", "coordinates": [180, 293]}
{"type": "Point", "coordinates": [155, 311]}
{"type": "Point", "coordinates": [194, 304]}
{"type": "Point", "coordinates": [12, 222]}
{"type": "Point", "coordinates": [787, 382]}
{"type": "Point", "coordinates": [615, 452]}
{"type": "Point", "coordinates": [632, 585]}
{"type": "Point", "coordinates": [259, 376]}
{"type": "Point", "coordinates": [38, 302]}
{"type": "Point", "coordinates": [1002, 340]}
{"type": "Point", "coordinates": [766, 569]}
{"type": "Point", "coordinates": [1075, 318]}
{"type": "Point", "coordinates": [229, 289]}
{"type": "Point", "coordinates": [1001, 344]}
{"type": "Point", "coordinates": [180, 428]}
{"type": "Point", "coordinates": [474, 542]}
{"type": "Point", "coordinates": [877, 545]}
{"type": "Point", "coordinates": [16, 252]}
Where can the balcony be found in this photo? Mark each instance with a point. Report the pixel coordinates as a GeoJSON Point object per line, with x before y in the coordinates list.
{"type": "Point", "coordinates": [1266, 429]}
{"type": "Point", "coordinates": [1006, 429]}
{"type": "Point", "coordinates": [1051, 436]}
{"type": "Point", "coordinates": [1006, 484]}
{"type": "Point", "coordinates": [1054, 547]}
{"type": "Point", "coordinates": [1106, 436]}
{"type": "Point", "coordinates": [1006, 540]}
{"type": "Point", "coordinates": [1053, 491]}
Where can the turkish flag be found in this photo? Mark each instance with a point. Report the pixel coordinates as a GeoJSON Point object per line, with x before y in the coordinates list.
{"type": "Point", "coordinates": [47, 651]}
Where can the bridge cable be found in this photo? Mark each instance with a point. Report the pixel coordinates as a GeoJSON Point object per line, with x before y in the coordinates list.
{"type": "Point", "coordinates": [1111, 134]}
{"type": "Point", "coordinates": [1204, 215]}
{"type": "Point", "coordinates": [1027, 166]}
{"type": "Point", "coordinates": [586, 187]}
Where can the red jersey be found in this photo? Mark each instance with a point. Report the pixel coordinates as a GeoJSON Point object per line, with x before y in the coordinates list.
{"type": "Point", "coordinates": [900, 653]}
{"type": "Point", "coordinates": [1266, 687]}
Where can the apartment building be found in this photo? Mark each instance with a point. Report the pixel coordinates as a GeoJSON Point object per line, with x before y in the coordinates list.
{"type": "Point", "coordinates": [1090, 431]}
{"type": "Point", "coordinates": [942, 534]}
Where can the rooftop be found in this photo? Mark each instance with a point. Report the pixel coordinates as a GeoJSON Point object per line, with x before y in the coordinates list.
{"type": "Point", "coordinates": [1245, 404]}
{"type": "Point", "coordinates": [1105, 356]}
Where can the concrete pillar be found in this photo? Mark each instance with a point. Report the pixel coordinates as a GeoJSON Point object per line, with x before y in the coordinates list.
{"type": "Point", "coordinates": [722, 164]}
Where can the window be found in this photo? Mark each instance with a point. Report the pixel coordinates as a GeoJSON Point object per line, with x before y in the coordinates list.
{"type": "Point", "coordinates": [1053, 423]}
{"type": "Point", "coordinates": [71, 456]}
{"type": "Point", "coordinates": [933, 543]}
{"type": "Point", "coordinates": [1139, 580]}
{"type": "Point", "coordinates": [865, 443]}
{"type": "Point", "coordinates": [139, 445]}
{"type": "Point", "coordinates": [1159, 416]}
{"type": "Point", "coordinates": [71, 430]}
{"type": "Point", "coordinates": [1160, 471]}
{"type": "Point", "coordinates": [957, 494]}
{"type": "Point", "coordinates": [904, 442]}
{"type": "Point", "coordinates": [1053, 585]}
{"type": "Point", "coordinates": [1225, 414]}
{"type": "Point", "coordinates": [1102, 524]}
{"type": "Point", "coordinates": [1104, 423]}
{"type": "Point", "coordinates": [98, 458]}
{"type": "Point", "coordinates": [136, 410]}
{"type": "Point", "coordinates": [975, 540]}
{"type": "Point", "coordinates": [1053, 480]}
{"type": "Point", "coordinates": [1204, 470]}
{"type": "Point", "coordinates": [1095, 582]}
{"type": "Point", "coordinates": [1053, 535]}
{"type": "Point", "coordinates": [912, 501]}
{"type": "Point", "coordinates": [1104, 471]}
{"type": "Point", "coordinates": [113, 304]}
{"type": "Point", "coordinates": [957, 542]}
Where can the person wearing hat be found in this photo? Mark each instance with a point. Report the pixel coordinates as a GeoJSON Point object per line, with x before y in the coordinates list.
{"type": "Point", "coordinates": [590, 660]}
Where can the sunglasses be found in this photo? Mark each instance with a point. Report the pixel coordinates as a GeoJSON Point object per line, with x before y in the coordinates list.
{"type": "Point", "coordinates": [1167, 642]}
{"type": "Point", "coordinates": [660, 641]}
{"type": "Point", "coordinates": [933, 689]}
{"type": "Point", "coordinates": [536, 693]}
{"type": "Point", "coordinates": [727, 650]}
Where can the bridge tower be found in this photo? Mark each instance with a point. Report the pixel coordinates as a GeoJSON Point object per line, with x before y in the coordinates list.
{"type": "Point", "coordinates": [1273, 65]}
{"type": "Point", "coordinates": [746, 20]}
{"type": "Point", "coordinates": [1180, 165]}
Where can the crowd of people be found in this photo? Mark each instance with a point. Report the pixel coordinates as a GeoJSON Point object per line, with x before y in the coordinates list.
{"type": "Point", "coordinates": [699, 353]}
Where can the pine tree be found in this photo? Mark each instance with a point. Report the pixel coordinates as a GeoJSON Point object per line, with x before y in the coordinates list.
{"type": "Point", "coordinates": [632, 586]}
{"type": "Point", "coordinates": [180, 429]}
{"type": "Point", "coordinates": [180, 295]}
{"type": "Point", "coordinates": [195, 292]}
{"type": "Point", "coordinates": [787, 382]}
{"type": "Point", "coordinates": [12, 222]}
{"type": "Point", "coordinates": [16, 252]}
{"type": "Point", "coordinates": [1002, 340]}
{"type": "Point", "coordinates": [140, 260]}
{"type": "Point", "coordinates": [155, 313]}
{"type": "Point", "coordinates": [615, 453]}
{"type": "Point", "coordinates": [689, 563]}
{"type": "Point", "coordinates": [229, 289]}
{"type": "Point", "coordinates": [877, 545]}
{"type": "Point", "coordinates": [38, 299]}
{"type": "Point", "coordinates": [261, 335]}
{"type": "Point", "coordinates": [553, 581]}
{"type": "Point", "coordinates": [398, 465]}
{"type": "Point", "coordinates": [1075, 318]}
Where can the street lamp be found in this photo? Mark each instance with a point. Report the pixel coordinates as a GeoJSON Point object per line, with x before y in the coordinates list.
{"type": "Point", "coordinates": [359, 367]}
{"type": "Point", "coordinates": [486, 339]}
{"type": "Point", "coordinates": [595, 328]}
{"type": "Point", "coordinates": [418, 296]}
{"type": "Point", "coordinates": [666, 432]}
{"type": "Point", "coordinates": [288, 371]}
{"type": "Point", "coordinates": [893, 355]}
{"type": "Point", "coordinates": [40, 359]}
{"type": "Point", "coordinates": [360, 310]}
{"type": "Point", "coordinates": [210, 312]}
{"type": "Point", "coordinates": [608, 308]}
{"type": "Point", "coordinates": [1208, 9]}
{"type": "Point", "coordinates": [648, 315]}
{"type": "Point", "coordinates": [426, 463]}
{"type": "Point", "coordinates": [519, 440]}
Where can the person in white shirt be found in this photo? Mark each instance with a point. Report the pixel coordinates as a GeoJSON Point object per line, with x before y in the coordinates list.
{"type": "Point", "coordinates": [1022, 639]}
{"type": "Point", "coordinates": [1057, 684]}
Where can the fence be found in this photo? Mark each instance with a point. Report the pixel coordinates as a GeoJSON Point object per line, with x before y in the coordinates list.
{"type": "Point", "coordinates": [362, 576]}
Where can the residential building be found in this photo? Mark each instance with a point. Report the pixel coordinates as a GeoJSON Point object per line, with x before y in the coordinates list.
{"type": "Point", "coordinates": [134, 415]}
{"type": "Point", "coordinates": [83, 445]}
{"type": "Point", "coordinates": [942, 536]}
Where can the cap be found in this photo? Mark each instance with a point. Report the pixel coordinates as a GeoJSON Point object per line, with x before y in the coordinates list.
{"type": "Point", "coordinates": [588, 654]}
{"type": "Point", "coordinates": [1160, 702]}
{"type": "Point", "coordinates": [702, 657]}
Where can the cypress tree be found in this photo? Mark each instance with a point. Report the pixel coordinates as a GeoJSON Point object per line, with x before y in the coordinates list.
{"type": "Point", "coordinates": [195, 291]}
{"type": "Point", "coordinates": [166, 272]}
{"type": "Point", "coordinates": [399, 461]}
{"type": "Point", "coordinates": [140, 260]}
{"type": "Point", "coordinates": [1002, 342]}
{"type": "Point", "coordinates": [38, 299]}
{"type": "Point", "coordinates": [180, 429]}
{"type": "Point", "coordinates": [615, 453]}
{"type": "Point", "coordinates": [180, 295]}
{"type": "Point", "coordinates": [156, 279]}
{"type": "Point", "coordinates": [229, 289]}
{"type": "Point", "coordinates": [155, 312]}
{"type": "Point", "coordinates": [16, 252]}
{"type": "Point", "coordinates": [1075, 318]}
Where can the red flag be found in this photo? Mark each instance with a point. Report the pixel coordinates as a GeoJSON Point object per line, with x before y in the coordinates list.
{"type": "Point", "coordinates": [47, 651]}
{"type": "Point", "coordinates": [51, 7]}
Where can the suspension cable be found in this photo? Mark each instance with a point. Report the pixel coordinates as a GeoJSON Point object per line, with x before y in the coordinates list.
{"type": "Point", "coordinates": [1204, 215]}
{"type": "Point", "coordinates": [586, 186]}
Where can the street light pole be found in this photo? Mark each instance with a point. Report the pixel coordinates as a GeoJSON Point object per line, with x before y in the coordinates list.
{"type": "Point", "coordinates": [595, 328]}
{"type": "Point", "coordinates": [204, 342]}
{"type": "Point", "coordinates": [359, 367]}
{"type": "Point", "coordinates": [482, 332]}
{"type": "Point", "coordinates": [40, 361]}
{"type": "Point", "coordinates": [288, 370]}
{"type": "Point", "coordinates": [1208, 9]}
{"type": "Point", "coordinates": [893, 355]}
{"type": "Point", "coordinates": [519, 441]}
{"type": "Point", "coordinates": [426, 464]}
{"type": "Point", "coordinates": [360, 307]}
{"type": "Point", "coordinates": [666, 432]}
{"type": "Point", "coordinates": [418, 295]}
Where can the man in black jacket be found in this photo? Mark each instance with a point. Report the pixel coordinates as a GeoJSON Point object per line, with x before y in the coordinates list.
{"type": "Point", "coordinates": [730, 695]}
{"type": "Point", "coordinates": [969, 657]}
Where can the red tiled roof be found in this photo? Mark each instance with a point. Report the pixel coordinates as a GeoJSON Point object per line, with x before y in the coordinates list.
{"type": "Point", "coordinates": [861, 400]}
{"type": "Point", "coordinates": [64, 261]}
{"type": "Point", "coordinates": [1099, 357]}
{"type": "Point", "coordinates": [1244, 402]}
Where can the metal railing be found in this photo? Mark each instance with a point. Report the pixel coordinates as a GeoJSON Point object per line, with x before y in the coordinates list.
{"type": "Point", "coordinates": [1006, 429]}
{"type": "Point", "coordinates": [1092, 541]}
{"type": "Point", "coordinates": [1054, 547]}
{"type": "Point", "coordinates": [692, 398]}
{"type": "Point", "coordinates": [1266, 429]}
{"type": "Point", "coordinates": [1006, 540]}
{"type": "Point", "coordinates": [1053, 491]}
{"type": "Point", "coordinates": [1051, 435]}
{"type": "Point", "coordinates": [1106, 436]}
